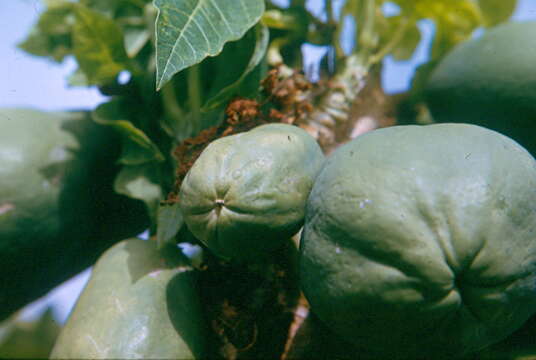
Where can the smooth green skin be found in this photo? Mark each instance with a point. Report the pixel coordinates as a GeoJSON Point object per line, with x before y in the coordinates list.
{"type": "Point", "coordinates": [420, 241]}
{"type": "Point", "coordinates": [491, 82]}
{"type": "Point", "coordinates": [58, 211]}
{"type": "Point", "coordinates": [245, 195]}
{"type": "Point", "coordinates": [135, 307]}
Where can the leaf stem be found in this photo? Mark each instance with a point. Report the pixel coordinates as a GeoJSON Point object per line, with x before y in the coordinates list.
{"type": "Point", "coordinates": [329, 10]}
{"type": "Point", "coordinates": [367, 35]}
{"type": "Point", "coordinates": [139, 3]}
{"type": "Point", "coordinates": [171, 107]}
{"type": "Point", "coordinates": [194, 97]}
{"type": "Point", "coordinates": [392, 43]}
{"type": "Point", "coordinates": [333, 108]}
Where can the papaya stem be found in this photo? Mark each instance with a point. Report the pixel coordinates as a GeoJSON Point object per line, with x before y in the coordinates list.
{"type": "Point", "coordinates": [194, 97]}
{"type": "Point", "coordinates": [392, 43]}
{"type": "Point", "coordinates": [367, 36]}
{"type": "Point", "coordinates": [334, 106]}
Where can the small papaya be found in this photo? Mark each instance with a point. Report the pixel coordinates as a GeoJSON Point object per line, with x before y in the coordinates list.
{"type": "Point", "coordinates": [246, 193]}
{"type": "Point", "coordinates": [135, 306]}
{"type": "Point", "coordinates": [490, 81]}
{"type": "Point", "coordinates": [58, 209]}
{"type": "Point", "coordinates": [419, 241]}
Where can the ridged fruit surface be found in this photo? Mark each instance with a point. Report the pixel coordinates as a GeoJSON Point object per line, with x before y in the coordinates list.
{"type": "Point", "coordinates": [135, 307]}
{"type": "Point", "coordinates": [246, 193]}
{"type": "Point", "coordinates": [58, 211]}
{"type": "Point", "coordinates": [420, 241]}
{"type": "Point", "coordinates": [490, 81]}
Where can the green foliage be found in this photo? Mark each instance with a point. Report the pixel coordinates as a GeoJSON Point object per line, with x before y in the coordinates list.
{"type": "Point", "coordinates": [98, 46]}
{"type": "Point", "coordinates": [51, 36]}
{"type": "Point", "coordinates": [137, 147]}
{"type": "Point", "coordinates": [235, 77]}
{"type": "Point", "coordinates": [188, 31]}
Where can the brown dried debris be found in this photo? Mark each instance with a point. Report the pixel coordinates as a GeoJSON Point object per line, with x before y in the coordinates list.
{"type": "Point", "coordinates": [251, 307]}
{"type": "Point", "coordinates": [289, 94]}
{"type": "Point", "coordinates": [241, 115]}
{"type": "Point", "coordinates": [287, 102]}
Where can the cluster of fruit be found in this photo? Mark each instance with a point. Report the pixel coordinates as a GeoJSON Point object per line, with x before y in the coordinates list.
{"type": "Point", "coordinates": [416, 240]}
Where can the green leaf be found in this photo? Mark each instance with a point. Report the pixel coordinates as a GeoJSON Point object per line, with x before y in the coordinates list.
{"type": "Point", "coordinates": [98, 46]}
{"type": "Point", "coordinates": [277, 19]}
{"type": "Point", "coordinates": [140, 182]}
{"type": "Point", "coordinates": [169, 222]}
{"type": "Point", "coordinates": [406, 47]}
{"type": "Point", "coordinates": [135, 40]}
{"type": "Point", "coordinates": [39, 44]}
{"type": "Point", "coordinates": [496, 11]}
{"type": "Point", "coordinates": [114, 7]}
{"type": "Point", "coordinates": [455, 20]}
{"type": "Point", "coordinates": [137, 146]}
{"type": "Point", "coordinates": [58, 19]}
{"type": "Point", "coordinates": [51, 36]}
{"type": "Point", "coordinates": [77, 78]}
{"type": "Point", "coordinates": [187, 31]}
{"type": "Point", "coordinates": [224, 91]}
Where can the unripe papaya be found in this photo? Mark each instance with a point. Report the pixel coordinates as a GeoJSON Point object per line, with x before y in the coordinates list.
{"type": "Point", "coordinates": [419, 241]}
{"type": "Point", "coordinates": [58, 210]}
{"type": "Point", "coordinates": [135, 307]}
{"type": "Point", "coordinates": [246, 193]}
{"type": "Point", "coordinates": [490, 81]}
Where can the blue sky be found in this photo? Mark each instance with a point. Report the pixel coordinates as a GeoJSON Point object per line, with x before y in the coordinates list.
{"type": "Point", "coordinates": [33, 82]}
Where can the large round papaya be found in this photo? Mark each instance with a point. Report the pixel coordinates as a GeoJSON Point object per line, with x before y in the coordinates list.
{"type": "Point", "coordinates": [246, 193]}
{"type": "Point", "coordinates": [136, 305]}
{"type": "Point", "coordinates": [58, 211]}
{"type": "Point", "coordinates": [419, 241]}
{"type": "Point", "coordinates": [490, 81]}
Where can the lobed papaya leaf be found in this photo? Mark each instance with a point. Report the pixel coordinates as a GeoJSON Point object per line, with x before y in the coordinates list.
{"type": "Point", "coordinates": [115, 8]}
{"type": "Point", "coordinates": [141, 182]}
{"type": "Point", "coordinates": [233, 80]}
{"type": "Point", "coordinates": [187, 31]}
{"type": "Point", "coordinates": [135, 39]}
{"type": "Point", "coordinates": [407, 46]}
{"type": "Point", "coordinates": [77, 78]}
{"type": "Point", "coordinates": [51, 36]}
{"type": "Point", "coordinates": [98, 45]}
{"type": "Point", "coordinates": [138, 148]}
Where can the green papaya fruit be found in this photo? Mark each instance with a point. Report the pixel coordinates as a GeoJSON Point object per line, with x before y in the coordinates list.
{"type": "Point", "coordinates": [58, 210]}
{"type": "Point", "coordinates": [490, 81]}
{"type": "Point", "coordinates": [520, 345]}
{"type": "Point", "coordinates": [246, 193]}
{"type": "Point", "coordinates": [135, 306]}
{"type": "Point", "coordinates": [419, 241]}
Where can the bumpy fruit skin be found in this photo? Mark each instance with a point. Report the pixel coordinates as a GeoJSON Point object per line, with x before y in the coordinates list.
{"type": "Point", "coordinates": [58, 210]}
{"type": "Point", "coordinates": [246, 193]}
{"type": "Point", "coordinates": [420, 241]}
{"type": "Point", "coordinates": [134, 306]}
{"type": "Point", "coordinates": [490, 81]}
